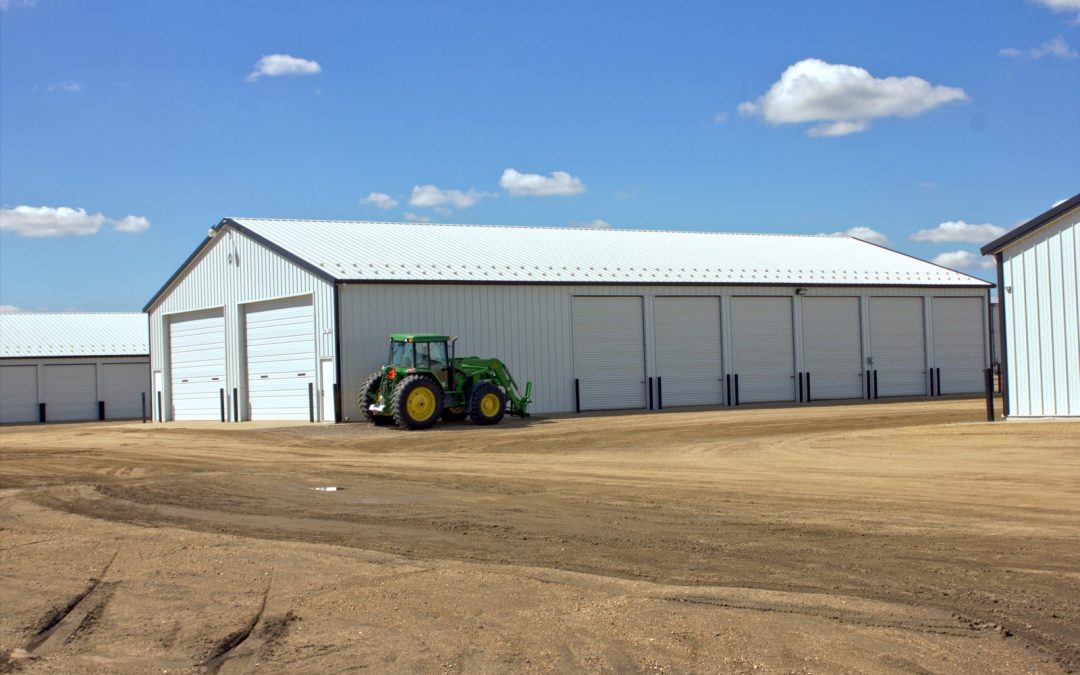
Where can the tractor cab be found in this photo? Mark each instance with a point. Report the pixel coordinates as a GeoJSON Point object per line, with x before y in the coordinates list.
{"type": "Point", "coordinates": [422, 352]}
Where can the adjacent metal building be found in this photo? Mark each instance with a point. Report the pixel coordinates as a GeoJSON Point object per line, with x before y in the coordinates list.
{"type": "Point", "coordinates": [73, 367]}
{"type": "Point", "coordinates": [283, 319]}
{"type": "Point", "coordinates": [1038, 265]}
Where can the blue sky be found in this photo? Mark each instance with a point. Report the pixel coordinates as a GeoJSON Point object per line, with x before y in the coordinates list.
{"type": "Point", "coordinates": [158, 119]}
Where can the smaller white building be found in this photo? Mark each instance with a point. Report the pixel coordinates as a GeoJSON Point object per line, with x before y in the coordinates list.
{"type": "Point", "coordinates": [73, 367]}
{"type": "Point", "coordinates": [1038, 265]}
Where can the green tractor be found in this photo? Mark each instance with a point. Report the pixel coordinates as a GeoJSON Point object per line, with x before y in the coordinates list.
{"type": "Point", "coordinates": [425, 380]}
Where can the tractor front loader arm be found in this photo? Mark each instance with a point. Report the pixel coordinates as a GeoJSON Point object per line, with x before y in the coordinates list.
{"type": "Point", "coordinates": [519, 402]}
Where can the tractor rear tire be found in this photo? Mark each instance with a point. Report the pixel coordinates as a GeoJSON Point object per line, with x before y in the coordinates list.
{"type": "Point", "coordinates": [459, 414]}
{"type": "Point", "coordinates": [369, 391]}
{"type": "Point", "coordinates": [417, 402]}
{"type": "Point", "coordinates": [487, 404]}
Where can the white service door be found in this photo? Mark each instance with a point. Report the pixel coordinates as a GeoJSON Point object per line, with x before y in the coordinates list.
{"type": "Point", "coordinates": [327, 374]}
{"type": "Point", "coordinates": [280, 359]}
{"type": "Point", "coordinates": [123, 386]}
{"type": "Point", "coordinates": [898, 346]}
{"type": "Point", "coordinates": [688, 351]}
{"type": "Point", "coordinates": [832, 348]}
{"type": "Point", "coordinates": [18, 394]}
{"type": "Point", "coordinates": [197, 365]}
{"type": "Point", "coordinates": [763, 349]}
{"type": "Point", "coordinates": [609, 352]}
{"type": "Point", "coordinates": [959, 345]}
{"type": "Point", "coordinates": [70, 393]}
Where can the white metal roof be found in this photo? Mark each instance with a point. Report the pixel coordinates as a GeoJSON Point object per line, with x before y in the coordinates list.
{"type": "Point", "coordinates": [28, 334]}
{"type": "Point", "coordinates": [382, 251]}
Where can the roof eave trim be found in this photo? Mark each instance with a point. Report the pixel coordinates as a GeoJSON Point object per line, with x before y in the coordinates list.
{"type": "Point", "coordinates": [1030, 226]}
{"type": "Point", "coordinates": [978, 283]}
{"type": "Point", "coordinates": [284, 253]}
{"type": "Point", "coordinates": [180, 270]}
{"type": "Point", "coordinates": [263, 241]}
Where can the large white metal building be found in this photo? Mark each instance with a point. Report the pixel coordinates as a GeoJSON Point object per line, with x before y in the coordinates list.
{"type": "Point", "coordinates": [73, 366]}
{"type": "Point", "coordinates": [1038, 267]}
{"type": "Point", "coordinates": [283, 319]}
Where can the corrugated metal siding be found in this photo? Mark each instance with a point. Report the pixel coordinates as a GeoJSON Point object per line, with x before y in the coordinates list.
{"type": "Point", "coordinates": [30, 334]}
{"type": "Point", "coordinates": [1041, 315]}
{"type": "Point", "coordinates": [531, 327]}
{"type": "Point", "coordinates": [233, 271]}
{"type": "Point", "coordinates": [370, 251]}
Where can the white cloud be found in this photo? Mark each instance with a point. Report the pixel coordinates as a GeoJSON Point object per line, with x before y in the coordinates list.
{"type": "Point", "coordinates": [844, 98]}
{"type": "Point", "coordinates": [864, 233]}
{"type": "Point", "coordinates": [8, 4]}
{"type": "Point", "coordinates": [963, 260]}
{"type": "Point", "coordinates": [276, 65]}
{"type": "Point", "coordinates": [594, 225]}
{"type": "Point", "coordinates": [1068, 6]}
{"type": "Point", "coordinates": [380, 200]}
{"type": "Point", "coordinates": [558, 183]}
{"type": "Point", "coordinates": [46, 221]}
{"type": "Point", "coordinates": [67, 86]}
{"type": "Point", "coordinates": [720, 118]}
{"type": "Point", "coordinates": [1055, 47]}
{"type": "Point", "coordinates": [132, 224]}
{"type": "Point", "coordinates": [62, 221]}
{"type": "Point", "coordinates": [415, 218]}
{"type": "Point", "coordinates": [957, 231]}
{"type": "Point", "coordinates": [1060, 202]}
{"type": "Point", "coordinates": [8, 309]}
{"type": "Point", "coordinates": [431, 196]}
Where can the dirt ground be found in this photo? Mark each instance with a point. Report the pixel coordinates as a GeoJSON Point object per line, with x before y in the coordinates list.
{"type": "Point", "coordinates": [900, 537]}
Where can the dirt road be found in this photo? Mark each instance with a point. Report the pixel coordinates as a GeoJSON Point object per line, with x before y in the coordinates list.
{"type": "Point", "coordinates": [904, 537]}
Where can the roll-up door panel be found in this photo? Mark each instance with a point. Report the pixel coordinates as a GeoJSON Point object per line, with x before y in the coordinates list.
{"type": "Point", "coordinates": [762, 349]}
{"type": "Point", "coordinates": [71, 393]}
{"type": "Point", "coordinates": [688, 350]}
{"type": "Point", "coordinates": [898, 346]}
{"type": "Point", "coordinates": [280, 359]}
{"type": "Point", "coordinates": [959, 350]}
{"type": "Point", "coordinates": [18, 394]}
{"type": "Point", "coordinates": [123, 386]}
{"type": "Point", "coordinates": [832, 347]}
{"type": "Point", "coordinates": [609, 352]}
{"type": "Point", "coordinates": [197, 363]}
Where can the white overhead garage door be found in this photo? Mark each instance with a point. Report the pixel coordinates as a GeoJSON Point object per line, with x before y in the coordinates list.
{"type": "Point", "coordinates": [762, 349]}
{"type": "Point", "coordinates": [959, 352]}
{"type": "Point", "coordinates": [280, 359]}
{"type": "Point", "coordinates": [609, 352]}
{"type": "Point", "coordinates": [18, 394]}
{"type": "Point", "coordinates": [197, 363]}
{"type": "Point", "coordinates": [688, 351]}
{"type": "Point", "coordinates": [70, 393]}
{"type": "Point", "coordinates": [123, 386]}
{"type": "Point", "coordinates": [898, 346]}
{"type": "Point", "coordinates": [832, 348]}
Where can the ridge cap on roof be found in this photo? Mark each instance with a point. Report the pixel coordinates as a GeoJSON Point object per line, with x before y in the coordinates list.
{"type": "Point", "coordinates": [554, 228]}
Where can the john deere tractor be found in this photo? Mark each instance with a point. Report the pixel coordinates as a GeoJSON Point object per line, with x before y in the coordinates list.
{"type": "Point", "coordinates": [425, 380]}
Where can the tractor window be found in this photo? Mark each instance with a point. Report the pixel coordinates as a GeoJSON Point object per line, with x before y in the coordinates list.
{"type": "Point", "coordinates": [401, 354]}
{"type": "Point", "coordinates": [423, 355]}
{"type": "Point", "coordinates": [438, 355]}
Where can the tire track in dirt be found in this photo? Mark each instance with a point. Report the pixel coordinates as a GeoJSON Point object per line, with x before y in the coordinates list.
{"type": "Point", "coordinates": [65, 623]}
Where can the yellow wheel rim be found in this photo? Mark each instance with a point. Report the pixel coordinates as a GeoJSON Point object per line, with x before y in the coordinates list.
{"type": "Point", "coordinates": [421, 404]}
{"type": "Point", "coordinates": [489, 405]}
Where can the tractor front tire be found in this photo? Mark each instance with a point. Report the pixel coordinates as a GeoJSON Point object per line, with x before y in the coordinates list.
{"type": "Point", "coordinates": [369, 392]}
{"type": "Point", "coordinates": [487, 404]}
{"type": "Point", "coordinates": [458, 414]}
{"type": "Point", "coordinates": [417, 402]}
